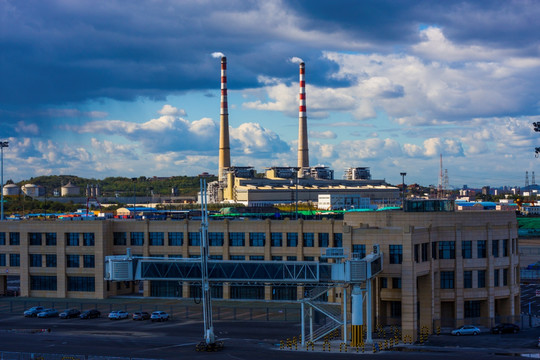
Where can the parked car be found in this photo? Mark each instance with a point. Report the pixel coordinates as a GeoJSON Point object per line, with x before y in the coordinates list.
{"type": "Point", "coordinates": [90, 314]}
{"type": "Point", "coordinates": [505, 328]}
{"type": "Point", "coordinates": [466, 330]}
{"type": "Point", "coordinates": [118, 314]}
{"type": "Point", "coordinates": [33, 311]}
{"type": "Point", "coordinates": [159, 316]}
{"type": "Point", "coordinates": [47, 313]}
{"type": "Point", "coordinates": [69, 313]}
{"type": "Point", "coordinates": [141, 315]}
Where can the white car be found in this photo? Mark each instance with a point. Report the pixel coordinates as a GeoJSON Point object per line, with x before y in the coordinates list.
{"type": "Point", "coordinates": [159, 316]}
{"type": "Point", "coordinates": [117, 315]}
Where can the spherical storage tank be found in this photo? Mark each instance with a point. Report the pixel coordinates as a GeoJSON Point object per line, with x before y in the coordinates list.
{"type": "Point", "coordinates": [70, 190]}
{"type": "Point", "coordinates": [11, 189]}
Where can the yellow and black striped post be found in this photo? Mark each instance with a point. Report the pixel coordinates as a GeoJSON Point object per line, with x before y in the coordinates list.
{"type": "Point", "coordinates": [356, 335]}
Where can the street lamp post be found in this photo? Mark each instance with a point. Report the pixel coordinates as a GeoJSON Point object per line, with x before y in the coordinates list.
{"type": "Point", "coordinates": [3, 144]}
{"type": "Point", "coordinates": [134, 198]}
{"type": "Point", "coordinates": [403, 188]}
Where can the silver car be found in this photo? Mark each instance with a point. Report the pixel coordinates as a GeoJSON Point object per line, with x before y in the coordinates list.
{"type": "Point", "coordinates": [466, 330]}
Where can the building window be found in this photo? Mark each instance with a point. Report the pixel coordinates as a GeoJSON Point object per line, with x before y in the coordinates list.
{"type": "Point", "coordinates": [14, 238]}
{"type": "Point", "coordinates": [2, 238]}
{"type": "Point", "coordinates": [396, 283]}
{"type": "Point", "coordinates": [466, 249]}
{"type": "Point", "coordinates": [495, 248]}
{"type": "Point", "coordinates": [505, 277]}
{"type": "Point", "coordinates": [237, 257]}
{"type": "Point", "coordinates": [416, 253]}
{"type": "Point", "coordinates": [72, 239]}
{"type": "Point", "coordinates": [467, 279]}
{"type": "Point", "coordinates": [72, 261]}
{"type": "Point", "coordinates": [292, 239]}
{"type": "Point", "coordinates": [384, 283]}
{"type": "Point", "coordinates": [277, 258]}
{"type": "Point", "coordinates": [425, 252]}
{"type": "Point", "coordinates": [156, 238]}
{"type": "Point", "coordinates": [447, 279]}
{"type": "Point", "coordinates": [176, 238]}
{"type": "Point", "coordinates": [215, 239]}
{"type": "Point", "coordinates": [2, 259]}
{"type": "Point", "coordinates": [43, 283]}
{"type": "Point", "coordinates": [481, 249]}
{"type": "Point", "coordinates": [471, 308]}
{"type": "Point", "coordinates": [215, 257]}
{"type": "Point", "coordinates": [89, 239]}
{"type": "Point", "coordinates": [136, 238]}
{"type": "Point", "coordinates": [257, 239]}
{"type": "Point", "coordinates": [360, 250]}
{"type": "Point", "coordinates": [309, 258]}
{"type": "Point", "coordinates": [81, 283]}
{"type": "Point", "coordinates": [434, 250]}
{"type": "Point", "coordinates": [35, 260]}
{"type": "Point", "coordinates": [35, 238]}
{"type": "Point", "coordinates": [194, 239]}
{"type": "Point", "coordinates": [496, 274]}
{"type": "Point", "coordinates": [277, 239]}
{"type": "Point", "coordinates": [175, 256]}
{"type": "Point", "coordinates": [256, 257]}
{"type": "Point", "coordinates": [14, 260]}
{"type": "Point", "coordinates": [119, 238]}
{"type": "Point", "coordinates": [88, 261]}
{"type": "Point", "coordinates": [308, 239]}
{"type": "Point", "coordinates": [447, 249]}
{"type": "Point", "coordinates": [291, 258]}
{"type": "Point", "coordinates": [237, 239]}
{"type": "Point", "coordinates": [324, 240]}
{"type": "Point", "coordinates": [481, 278]}
{"type": "Point", "coordinates": [50, 260]}
{"type": "Point", "coordinates": [338, 240]}
{"type": "Point", "coordinates": [50, 239]}
{"type": "Point", "coordinates": [396, 254]}
{"type": "Point", "coordinates": [505, 247]}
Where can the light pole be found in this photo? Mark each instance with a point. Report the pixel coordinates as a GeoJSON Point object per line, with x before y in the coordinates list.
{"type": "Point", "coordinates": [403, 188]}
{"type": "Point", "coordinates": [134, 198]}
{"type": "Point", "coordinates": [3, 144]}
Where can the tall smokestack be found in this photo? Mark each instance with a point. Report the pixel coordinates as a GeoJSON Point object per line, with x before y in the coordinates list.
{"type": "Point", "coordinates": [303, 153]}
{"type": "Point", "coordinates": [224, 147]}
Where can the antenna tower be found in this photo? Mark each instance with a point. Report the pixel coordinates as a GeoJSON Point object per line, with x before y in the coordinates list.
{"type": "Point", "coordinates": [440, 185]}
{"type": "Point", "coordinates": [446, 185]}
{"type": "Point", "coordinates": [526, 178]}
{"type": "Point", "coordinates": [533, 182]}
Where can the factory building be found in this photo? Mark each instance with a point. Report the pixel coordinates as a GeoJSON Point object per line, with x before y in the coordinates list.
{"type": "Point", "coordinates": [440, 268]}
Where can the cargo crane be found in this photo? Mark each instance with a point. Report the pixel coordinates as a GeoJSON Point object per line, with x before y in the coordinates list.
{"type": "Point", "coordinates": [348, 271]}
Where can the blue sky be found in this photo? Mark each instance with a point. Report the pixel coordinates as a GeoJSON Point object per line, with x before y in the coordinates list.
{"type": "Point", "coordinates": [116, 88]}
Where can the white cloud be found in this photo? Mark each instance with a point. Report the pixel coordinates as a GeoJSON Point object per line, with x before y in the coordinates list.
{"type": "Point", "coordinates": [26, 129]}
{"type": "Point", "coordinates": [322, 134]}
{"type": "Point", "coordinates": [254, 140]}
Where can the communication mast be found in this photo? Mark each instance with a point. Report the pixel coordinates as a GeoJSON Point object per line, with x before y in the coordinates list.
{"type": "Point", "coordinates": [526, 178]}
{"type": "Point", "coordinates": [440, 191]}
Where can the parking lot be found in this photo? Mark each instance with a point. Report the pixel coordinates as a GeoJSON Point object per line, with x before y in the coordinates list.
{"type": "Point", "coordinates": [177, 338]}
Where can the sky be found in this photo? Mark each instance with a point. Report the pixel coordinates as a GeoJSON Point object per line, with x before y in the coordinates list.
{"type": "Point", "coordinates": [130, 88]}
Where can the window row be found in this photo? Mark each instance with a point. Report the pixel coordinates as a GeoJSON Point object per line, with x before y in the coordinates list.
{"type": "Point", "coordinates": [256, 239]}
{"type": "Point", "coordinates": [36, 239]}
{"type": "Point", "coordinates": [447, 250]}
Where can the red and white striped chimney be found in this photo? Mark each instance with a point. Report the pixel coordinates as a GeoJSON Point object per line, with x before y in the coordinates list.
{"type": "Point", "coordinates": [303, 153]}
{"type": "Point", "coordinates": [224, 147]}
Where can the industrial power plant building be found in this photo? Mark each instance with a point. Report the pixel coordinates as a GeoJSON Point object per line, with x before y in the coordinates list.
{"type": "Point", "coordinates": [439, 268]}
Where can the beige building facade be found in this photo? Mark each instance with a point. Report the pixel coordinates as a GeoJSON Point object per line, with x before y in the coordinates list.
{"type": "Point", "coordinates": [440, 268]}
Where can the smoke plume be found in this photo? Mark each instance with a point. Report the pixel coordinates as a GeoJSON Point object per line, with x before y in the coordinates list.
{"type": "Point", "coordinates": [296, 60]}
{"type": "Point", "coordinates": [218, 54]}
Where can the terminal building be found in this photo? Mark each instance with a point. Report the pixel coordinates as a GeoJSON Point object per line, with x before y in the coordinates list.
{"type": "Point", "coordinates": [440, 268]}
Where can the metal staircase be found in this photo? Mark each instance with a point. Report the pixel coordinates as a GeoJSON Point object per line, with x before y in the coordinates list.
{"type": "Point", "coordinates": [331, 311]}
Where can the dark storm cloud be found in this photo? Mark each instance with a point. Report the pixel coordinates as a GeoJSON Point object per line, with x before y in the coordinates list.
{"type": "Point", "coordinates": [62, 52]}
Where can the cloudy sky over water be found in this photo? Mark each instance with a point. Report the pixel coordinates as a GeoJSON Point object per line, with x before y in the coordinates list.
{"type": "Point", "coordinates": [129, 88]}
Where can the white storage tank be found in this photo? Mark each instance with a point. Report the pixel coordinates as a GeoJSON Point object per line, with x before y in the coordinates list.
{"type": "Point", "coordinates": [31, 190]}
{"type": "Point", "coordinates": [70, 190]}
{"type": "Point", "coordinates": [11, 189]}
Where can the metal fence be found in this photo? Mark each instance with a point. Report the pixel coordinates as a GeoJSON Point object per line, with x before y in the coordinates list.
{"type": "Point", "coordinates": [272, 312]}
{"type": "Point", "coordinates": [9, 355]}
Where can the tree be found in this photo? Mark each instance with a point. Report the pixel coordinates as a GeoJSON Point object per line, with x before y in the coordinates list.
{"type": "Point", "coordinates": [537, 129]}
